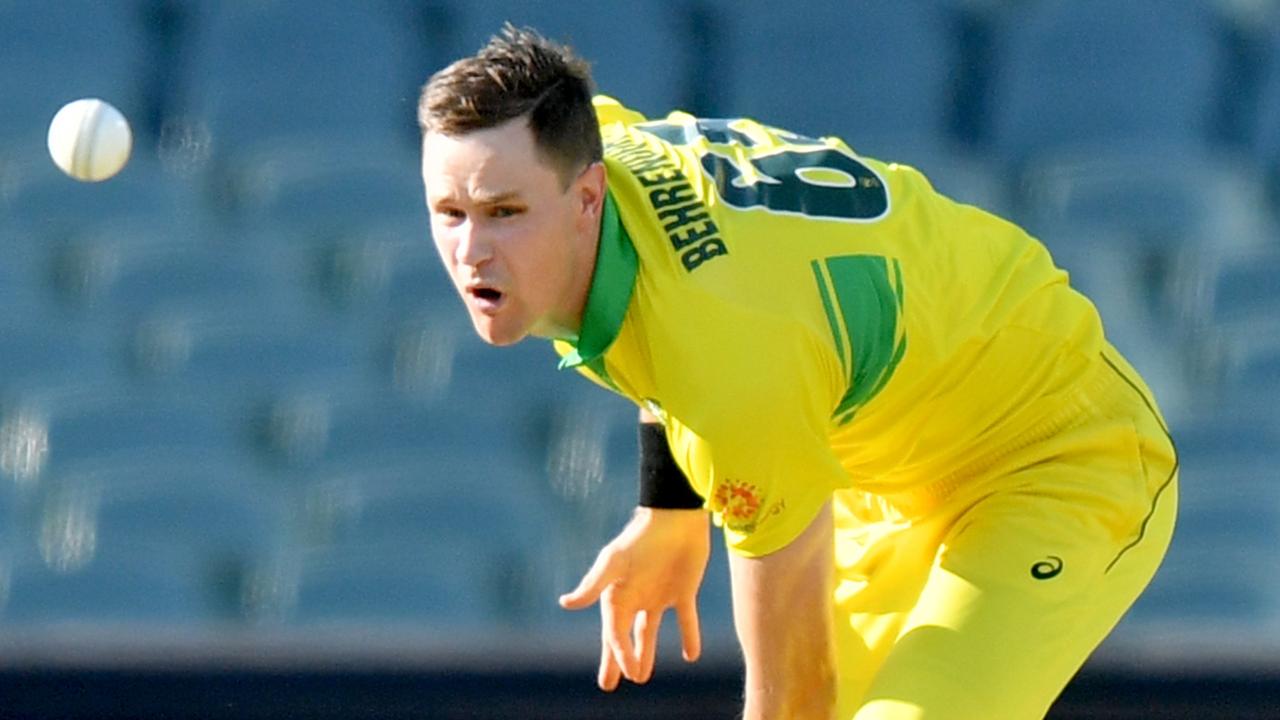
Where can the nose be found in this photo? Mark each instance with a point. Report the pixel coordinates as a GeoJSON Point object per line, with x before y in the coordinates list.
{"type": "Point", "coordinates": [473, 248]}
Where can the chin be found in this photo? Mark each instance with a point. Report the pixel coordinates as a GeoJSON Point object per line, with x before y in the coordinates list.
{"type": "Point", "coordinates": [496, 335]}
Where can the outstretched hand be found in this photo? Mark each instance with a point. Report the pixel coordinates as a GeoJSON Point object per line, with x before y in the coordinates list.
{"type": "Point", "coordinates": [655, 563]}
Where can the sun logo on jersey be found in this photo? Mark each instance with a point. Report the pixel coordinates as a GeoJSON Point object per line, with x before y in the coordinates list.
{"type": "Point", "coordinates": [738, 503]}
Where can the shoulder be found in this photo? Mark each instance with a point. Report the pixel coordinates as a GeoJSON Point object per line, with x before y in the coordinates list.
{"type": "Point", "coordinates": [727, 366]}
{"type": "Point", "coordinates": [610, 112]}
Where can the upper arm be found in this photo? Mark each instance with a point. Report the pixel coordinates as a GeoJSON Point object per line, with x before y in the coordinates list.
{"type": "Point", "coordinates": [749, 396]}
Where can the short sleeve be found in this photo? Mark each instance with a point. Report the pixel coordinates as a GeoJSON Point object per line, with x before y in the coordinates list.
{"type": "Point", "coordinates": [757, 445]}
{"type": "Point", "coordinates": [769, 483]}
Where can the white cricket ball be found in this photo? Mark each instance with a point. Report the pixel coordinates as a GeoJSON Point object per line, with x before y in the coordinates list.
{"type": "Point", "coordinates": [90, 140]}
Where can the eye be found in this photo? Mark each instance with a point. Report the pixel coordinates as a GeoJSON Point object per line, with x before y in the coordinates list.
{"type": "Point", "coordinates": [452, 215]}
{"type": "Point", "coordinates": [503, 211]}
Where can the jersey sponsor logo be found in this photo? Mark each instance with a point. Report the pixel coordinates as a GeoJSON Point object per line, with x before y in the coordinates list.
{"type": "Point", "coordinates": [738, 502]}
{"type": "Point", "coordinates": [689, 227]}
{"type": "Point", "coordinates": [1048, 568]}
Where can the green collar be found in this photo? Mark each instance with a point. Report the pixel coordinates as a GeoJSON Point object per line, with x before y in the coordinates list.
{"type": "Point", "coordinates": [610, 293]}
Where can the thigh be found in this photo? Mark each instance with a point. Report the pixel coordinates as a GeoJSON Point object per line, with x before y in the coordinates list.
{"type": "Point", "coordinates": [1025, 584]}
{"type": "Point", "coordinates": [883, 563]}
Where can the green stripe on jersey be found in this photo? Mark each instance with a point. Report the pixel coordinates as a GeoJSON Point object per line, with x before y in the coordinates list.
{"type": "Point", "coordinates": [833, 319]}
{"type": "Point", "coordinates": [868, 314]}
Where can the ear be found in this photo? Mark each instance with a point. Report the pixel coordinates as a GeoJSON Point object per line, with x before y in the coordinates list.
{"type": "Point", "coordinates": [589, 190]}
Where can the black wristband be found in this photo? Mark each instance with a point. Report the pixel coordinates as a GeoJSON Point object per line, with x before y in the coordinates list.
{"type": "Point", "coordinates": [662, 483]}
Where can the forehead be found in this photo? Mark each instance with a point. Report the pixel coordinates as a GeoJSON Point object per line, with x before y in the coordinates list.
{"type": "Point", "coordinates": [500, 159]}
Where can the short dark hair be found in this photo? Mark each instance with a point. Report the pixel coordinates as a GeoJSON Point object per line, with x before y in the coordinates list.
{"type": "Point", "coordinates": [519, 73]}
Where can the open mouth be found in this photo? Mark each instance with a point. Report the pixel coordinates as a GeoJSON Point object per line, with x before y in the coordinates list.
{"type": "Point", "coordinates": [487, 299]}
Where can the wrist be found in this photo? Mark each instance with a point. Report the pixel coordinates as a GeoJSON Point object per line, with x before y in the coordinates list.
{"type": "Point", "coordinates": [663, 484]}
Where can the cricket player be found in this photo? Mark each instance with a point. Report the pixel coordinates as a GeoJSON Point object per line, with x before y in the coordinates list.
{"type": "Point", "coordinates": [940, 485]}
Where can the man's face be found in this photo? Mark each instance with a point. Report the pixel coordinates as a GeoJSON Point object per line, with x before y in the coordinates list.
{"type": "Point", "coordinates": [519, 247]}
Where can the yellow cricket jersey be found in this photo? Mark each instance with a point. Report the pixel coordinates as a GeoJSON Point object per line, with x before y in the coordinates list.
{"type": "Point", "coordinates": [804, 319]}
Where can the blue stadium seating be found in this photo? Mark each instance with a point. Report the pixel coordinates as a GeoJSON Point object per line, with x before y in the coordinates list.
{"type": "Point", "coordinates": [56, 53]}
{"type": "Point", "coordinates": [878, 73]}
{"type": "Point", "coordinates": [450, 587]}
{"type": "Point", "coordinates": [126, 269]}
{"type": "Point", "coordinates": [219, 511]}
{"type": "Point", "coordinates": [1101, 144]}
{"type": "Point", "coordinates": [160, 589]}
{"type": "Point", "coordinates": [269, 292]}
{"type": "Point", "coordinates": [21, 278]}
{"type": "Point", "coordinates": [256, 71]}
{"type": "Point", "coordinates": [63, 424]}
{"type": "Point", "coordinates": [47, 204]}
{"type": "Point", "coordinates": [443, 498]}
{"type": "Point", "coordinates": [1238, 288]}
{"type": "Point", "coordinates": [1264, 123]}
{"type": "Point", "coordinates": [327, 181]}
{"type": "Point", "coordinates": [1167, 198]}
{"type": "Point", "coordinates": [38, 348]}
{"type": "Point", "coordinates": [1229, 311]}
{"type": "Point", "coordinates": [387, 266]}
{"type": "Point", "coordinates": [245, 353]}
{"type": "Point", "coordinates": [1096, 73]}
{"type": "Point", "coordinates": [352, 428]}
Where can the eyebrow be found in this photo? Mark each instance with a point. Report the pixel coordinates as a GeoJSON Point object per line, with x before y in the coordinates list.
{"type": "Point", "coordinates": [482, 198]}
{"type": "Point", "coordinates": [496, 198]}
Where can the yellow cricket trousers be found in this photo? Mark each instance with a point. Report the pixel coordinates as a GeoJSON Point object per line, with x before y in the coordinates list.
{"type": "Point", "coordinates": [979, 598]}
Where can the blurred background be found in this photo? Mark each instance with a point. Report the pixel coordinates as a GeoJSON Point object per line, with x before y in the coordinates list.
{"type": "Point", "coordinates": [254, 463]}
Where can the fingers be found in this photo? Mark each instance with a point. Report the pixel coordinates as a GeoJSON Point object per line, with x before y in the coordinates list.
{"type": "Point", "coordinates": [615, 625]}
{"type": "Point", "coordinates": [646, 640]}
{"type": "Point", "coordinates": [690, 634]}
{"type": "Point", "coordinates": [609, 673]}
{"type": "Point", "coordinates": [603, 572]}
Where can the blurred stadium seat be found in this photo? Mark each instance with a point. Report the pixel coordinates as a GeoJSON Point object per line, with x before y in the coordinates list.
{"type": "Point", "coordinates": [369, 503]}
{"type": "Point", "coordinates": [217, 509]}
{"type": "Point", "coordinates": [244, 351]}
{"type": "Point", "coordinates": [46, 205]}
{"type": "Point", "coordinates": [1264, 123]}
{"type": "Point", "coordinates": [56, 53]}
{"type": "Point", "coordinates": [336, 427]}
{"type": "Point", "coordinates": [50, 427]}
{"type": "Point", "coordinates": [39, 349]}
{"type": "Point", "coordinates": [120, 271]}
{"type": "Point", "coordinates": [879, 73]}
{"type": "Point", "coordinates": [1169, 199]}
{"type": "Point", "coordinates": [386, 266]}
{"type": "Point", "coordinates": [1107, 152]}
{"type": "Point", "coordinates": [259, 70]}
{"type": "Point", "coordinates": [449, 587]}
{"type": "Point", "coordinates": [1095, 73]}
{"type": "Point", "coordinates": [157, 589]}
{"type": "Point", "coordinates": [21, 277]}
{"type": "Point", "coordinates": [321, 181]}
{"type": "Point", "coordinates": [1235, 289]}
{"type": "Point", "coordinates": [1229, 310]}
